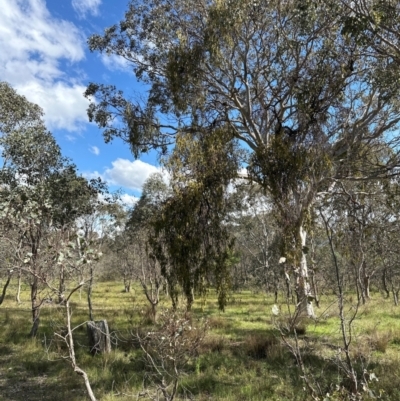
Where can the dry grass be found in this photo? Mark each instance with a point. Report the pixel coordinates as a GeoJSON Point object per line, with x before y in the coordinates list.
{"type": "Point", "coordinates": [214, 343]}
{"type": "Point", "coordinates": [263, 346]}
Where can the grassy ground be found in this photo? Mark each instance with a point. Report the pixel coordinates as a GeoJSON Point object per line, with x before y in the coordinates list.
{"type": "Point", "coordinates": [242, 357]}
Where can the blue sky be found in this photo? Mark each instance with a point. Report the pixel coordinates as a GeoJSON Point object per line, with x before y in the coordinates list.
{"type": "Point", "coordinates": [44, 56]}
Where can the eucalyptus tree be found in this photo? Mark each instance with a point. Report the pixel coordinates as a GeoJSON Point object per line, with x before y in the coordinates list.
{"type": "Point", "coordinates": [191, 239]}
{"type": "Point", "coordinates": [284, 78]}
{"type": "Point", "coordinates": [15, 111]}
{"type": "Point", "coordinates": [41, 195]}
{"type": "Point", "coordinates": [375, 24]}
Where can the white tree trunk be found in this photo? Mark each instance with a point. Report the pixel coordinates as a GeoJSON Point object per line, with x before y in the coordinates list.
{"type": "Point", "coordinates": [304, 288]}
{"type": "Point", "coordinates": [17, 297]}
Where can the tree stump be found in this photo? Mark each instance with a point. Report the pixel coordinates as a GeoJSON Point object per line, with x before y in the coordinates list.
{"type": "Point", "coordinates": [99, 337]}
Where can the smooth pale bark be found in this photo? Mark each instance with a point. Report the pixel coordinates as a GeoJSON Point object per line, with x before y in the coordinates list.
{"type": "Point", "coordinates": [303, 286]}
{"type": "Point", "coordinates": [61, 286]}
{"type": "Point", "coordinates": [18, 295]}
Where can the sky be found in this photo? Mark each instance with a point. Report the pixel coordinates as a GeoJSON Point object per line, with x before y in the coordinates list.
{"type": "Point", "coordinates": [45, 57]}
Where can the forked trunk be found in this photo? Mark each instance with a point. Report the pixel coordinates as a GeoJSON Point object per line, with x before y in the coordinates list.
{"type": "Point", "coordinates": [152, 295]}
{"type": "Point", "coordinates": [127, 284]}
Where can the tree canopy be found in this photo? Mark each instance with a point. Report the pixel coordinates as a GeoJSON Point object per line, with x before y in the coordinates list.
{"type": "Point", "coordinates": [41, 194]}
{"type": "Point", "coordinates": [301, 86]}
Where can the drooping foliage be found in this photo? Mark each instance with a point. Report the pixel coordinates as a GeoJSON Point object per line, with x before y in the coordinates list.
{"type": "Point", "coordinates": [191, 241]}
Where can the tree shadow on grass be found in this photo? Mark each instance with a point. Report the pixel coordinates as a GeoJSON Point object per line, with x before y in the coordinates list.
{"type": "Point", "coordinates": [34, 378]}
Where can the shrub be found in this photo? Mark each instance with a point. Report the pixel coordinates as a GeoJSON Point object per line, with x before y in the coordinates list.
{"type": "Point", "coordinates": [380, 340]}
{"type": "Point", "coordinates": [167, 350]}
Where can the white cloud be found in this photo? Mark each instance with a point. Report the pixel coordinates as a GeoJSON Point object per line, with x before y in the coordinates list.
{"type": "Point", "coordinates": [114, 62]}
{"type": "Point", "coordinates": [128, 200]}
{"type": "Point", "coordinates": [32, 45]}
{"type": "Point", "coordinates": [92, 175]}
{"type": "Point", "coordinates": [95, 150]}
{"type": "Point", "coordinates": [83, 7]}
{"type": "Point", "coordinates": [64, 105]}
{"type": "Point", "coordinates": [127, 174]}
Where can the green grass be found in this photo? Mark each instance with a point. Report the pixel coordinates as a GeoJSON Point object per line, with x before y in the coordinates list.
{"type": "Point", "coordinates": [242, 357]}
